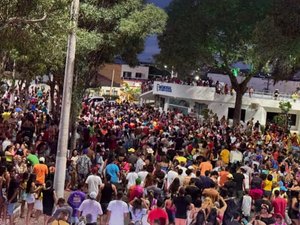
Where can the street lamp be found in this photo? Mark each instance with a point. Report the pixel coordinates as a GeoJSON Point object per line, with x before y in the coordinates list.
{"type": "Point", "coordinates": [197, 78]}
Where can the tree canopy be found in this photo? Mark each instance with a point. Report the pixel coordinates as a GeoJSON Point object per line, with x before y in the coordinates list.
{"type": "Point", "coordinates": [218, 33]}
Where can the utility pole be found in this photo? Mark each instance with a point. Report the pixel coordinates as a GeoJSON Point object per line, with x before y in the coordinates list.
{"type": "Point", "coordinates": [112, 83]}
{"type": "Point", "coordinates": [62, 147]}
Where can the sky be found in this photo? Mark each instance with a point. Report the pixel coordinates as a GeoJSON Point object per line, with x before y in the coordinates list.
{"type": "Point", "coordinates": [151, 43]}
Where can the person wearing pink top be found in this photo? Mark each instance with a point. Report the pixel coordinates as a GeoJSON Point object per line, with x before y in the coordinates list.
{"type": "Point", "coordinates": [136, 191]}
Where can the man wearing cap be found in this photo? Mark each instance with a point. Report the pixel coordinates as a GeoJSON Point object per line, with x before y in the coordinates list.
{"type": "Point", "coordinates": [90, 209]}
{"type": "Point", "coordinates": [41, 171]}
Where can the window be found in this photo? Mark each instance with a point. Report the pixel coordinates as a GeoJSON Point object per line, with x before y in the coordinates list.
{"type": "Point", "coordinates": [126, 74]}
{"type": "Point", "coordinates": [138, 75]}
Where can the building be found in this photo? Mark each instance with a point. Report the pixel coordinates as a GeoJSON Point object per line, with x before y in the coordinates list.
{"type": "Point", "coordinates": [261, 106]}
{"type": "Point", "coordinates": [118, 74]}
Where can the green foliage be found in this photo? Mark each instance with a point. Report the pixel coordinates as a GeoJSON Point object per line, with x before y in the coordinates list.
{"type": "Point", "coordinates": [130, 94]}
{"type": "Point", "coordinates": [285, 106]}
{"type": "Point", "coordinates": [280, 120]}
{"type": "Point", "coordinates": [109, 29]}
{"type": "Point", "coordinates": [277, 40]}
{"type": "Point", "coordinates": [209, 32]}
{"type": "Point", "coordinates": [33, 33]}
{"type": "Point", "coordinates": [218, 33]}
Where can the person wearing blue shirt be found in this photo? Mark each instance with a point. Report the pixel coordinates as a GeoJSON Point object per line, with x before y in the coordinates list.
{"type": "Point", "coordinates": [113, 170]}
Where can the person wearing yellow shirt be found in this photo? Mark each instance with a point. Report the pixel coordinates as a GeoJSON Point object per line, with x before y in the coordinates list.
{"type": "Point", "coordinates": [268, 138]}
{"type": "Point", "coordinates": [268, 184]}
{"type": "Point", "coordinates": [225, 156]}
{"type": "Point", "coordinates": [6, 115]}
{"type": "Point", "coordinates": [62, 218]}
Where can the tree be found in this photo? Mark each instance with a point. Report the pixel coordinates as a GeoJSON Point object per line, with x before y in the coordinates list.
{"type": "Point", "coordinates": [32, 37]}
{"type": "Point", "coordinates": [108, 29]}
{"type": "Point", "coordinates": [216, 34]}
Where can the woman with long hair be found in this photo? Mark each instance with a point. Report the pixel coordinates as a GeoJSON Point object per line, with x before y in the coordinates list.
{"type": "Point", "coordinates": [148, 181]}
{"type": "Point", "coordinates": [23, 185]}
{"type": "Point", "coordinates": [30, 191]}
{"type": "Point", "coordinates": [174, 187]}
{"type": "Point", "coordinates": [49, 200]}
{"type": "Point", "coordinates": [138, 209]}
{"type": "Point", "coordinates": [294, 207]}
{"type": "Point", "coordinates": [207, 213]}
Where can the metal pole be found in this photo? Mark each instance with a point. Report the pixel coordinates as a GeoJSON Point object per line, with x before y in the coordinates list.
{"type": "Point", "coordinates": [61, 156]}
{"type": "Point", "coordinates": [112, 82]}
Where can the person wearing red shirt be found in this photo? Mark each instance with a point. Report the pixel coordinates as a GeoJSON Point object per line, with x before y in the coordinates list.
{"type": "Point", "coordinates": [158, 214]}
{"type": "Point", "coordinates": [279, 204]}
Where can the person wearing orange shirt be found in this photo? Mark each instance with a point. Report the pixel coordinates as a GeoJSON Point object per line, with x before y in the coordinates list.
{"type": "Point", "coordinates": [223, 176]}
{"type": "Point", "coordinates": [204, 166]}
{"type": "Point", "coordinates": [41, 171]}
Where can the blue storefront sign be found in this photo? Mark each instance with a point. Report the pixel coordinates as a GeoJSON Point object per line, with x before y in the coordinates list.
{"type": "Point", "coordinates": [164, 88]}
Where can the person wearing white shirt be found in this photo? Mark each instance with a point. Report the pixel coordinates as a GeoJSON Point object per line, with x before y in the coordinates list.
{"type": "Point", "coordinates": [117, 211]}
{"type": "Point", "coordinates": [246, 180]}
{"type": "Point", "coordinates": [170, 176]}
{"type": "Point", "coordinates": [139, 163]}
{"type": "Point", "coordinates": [246, 205]}
{"type": "Point", "coordinates": [91, 209]}
{"type": "Point", "coordinates": [131, 177]}
{"type": "Point", "coordinates": [236, 156]}
{"type": "Point", "coordinates": [6, 143]}
{"type": "Point", "coordinates": [93, 181]}
{"type": "Point", "coordinates": [142, 175]}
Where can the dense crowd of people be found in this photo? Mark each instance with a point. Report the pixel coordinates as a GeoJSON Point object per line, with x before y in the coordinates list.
{"type": "Point", "coordinates": [148, 85]}
{"type": "Point", "coordinates": [134, 164]}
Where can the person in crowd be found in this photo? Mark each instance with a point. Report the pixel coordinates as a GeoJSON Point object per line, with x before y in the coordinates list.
{"type": "Point", "coordinates": [61, 206]}
{"type": "Point", "coordinates": [107, 192]}
{"type": "Point", "coordinates": [158, 215]}
{"type": "Point", "coordinates": [62, 218]}
{"type": "Point", "coordinates": [48, 200]}
{"type": "Point", "coordinates": [75, 199]}
{"type": "Point", "coordinates": [279, 204]}
{"type": "Point", "coordinates": [138, 208]}
{"type": "Point", "coordinates": [182, 204]}
{"type": "Point", "coordinates": [152, 155]}
{"type": "Point", "coordinates": [135, 191]}
{"type": "Point", "coordinates": [31, 192]}
{"type": "Point", "coordinates": [41, 171]}
{"type": "Point", "coordinates": [117, 211]}
{"type": "Point", "coordinates": [12, 196]}
{"type": "Point", "coordinates": [23, 195]}
{"type": "Point", "coordinates": [93, 181]}
{"type": "Point", "coordinates": [90, 209]}
{"type": "Point", "coordinates": [83, 167]}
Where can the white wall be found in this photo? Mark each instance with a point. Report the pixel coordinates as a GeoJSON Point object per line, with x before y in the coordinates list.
{"type": "Point", "coordinates": [144, 70]}
{"type": "Point", "coordinates": [184, 91]}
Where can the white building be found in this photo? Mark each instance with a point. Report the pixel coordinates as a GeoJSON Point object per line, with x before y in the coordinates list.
{"type": "Point", "coordinates": [260, 106]}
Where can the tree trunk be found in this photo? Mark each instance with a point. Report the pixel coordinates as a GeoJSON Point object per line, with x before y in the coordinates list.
{"type": "Point", "coordinates": [240, 89]}
{"type": "Point", "coordinates": [238, 106]}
